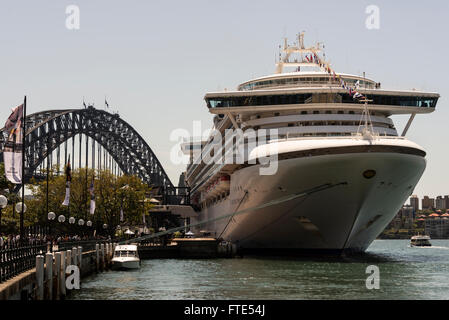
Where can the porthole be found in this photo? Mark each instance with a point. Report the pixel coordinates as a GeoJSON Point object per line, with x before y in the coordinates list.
{"type": "Point", "coordinates": [368, 174]}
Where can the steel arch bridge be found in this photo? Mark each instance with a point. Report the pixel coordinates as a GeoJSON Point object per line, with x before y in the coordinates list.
{"type": "Point", "coordinates": [47, 130]}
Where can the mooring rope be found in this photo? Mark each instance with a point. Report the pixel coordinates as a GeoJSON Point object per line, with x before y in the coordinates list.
{"type": "Point", "coordinates": [230, 219]}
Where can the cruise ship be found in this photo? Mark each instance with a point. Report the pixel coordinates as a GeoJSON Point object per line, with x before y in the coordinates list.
{"type": "Point", "coordinates": [342, 169]}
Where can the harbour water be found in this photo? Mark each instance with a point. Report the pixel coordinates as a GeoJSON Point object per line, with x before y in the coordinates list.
{"type": "Point", "coordinates": [405, 273]}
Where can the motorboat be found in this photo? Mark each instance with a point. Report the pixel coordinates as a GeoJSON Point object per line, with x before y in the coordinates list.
{"type": "Point", "coordinates": [126, 257]}
{"type": "Point", "coordinates": [420, 241]}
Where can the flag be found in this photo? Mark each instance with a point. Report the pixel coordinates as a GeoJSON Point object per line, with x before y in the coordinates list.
{"type": "Point", "coordinates": [358, 95]}
{"type": "Point", "coordinates": [68, 174]}
{"type": "Point", "coordinates": [92, 197]}
{"type": "Point", "coordinates": [106, 103]}
{"type": "Point", "coordinates": [12, 151]}
{"type": "Point", "coordinates": [84, 104]}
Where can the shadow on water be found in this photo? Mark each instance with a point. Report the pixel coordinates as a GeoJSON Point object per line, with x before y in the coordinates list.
{"type": "Point", "coordinates": [329, 258]}
{"type": "Point", "coordinates": [392, 251]}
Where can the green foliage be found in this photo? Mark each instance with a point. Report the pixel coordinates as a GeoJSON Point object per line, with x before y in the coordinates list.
{"type": "Point", "coordinates": [177, 234]}
{"type": "Point", "coordinates": [111, 193]}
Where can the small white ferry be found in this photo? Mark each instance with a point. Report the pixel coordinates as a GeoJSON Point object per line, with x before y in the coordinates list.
{"type": "Point", "coordinates": [126, 257]}
{"type": "Point", "coordinates": [420, 241]}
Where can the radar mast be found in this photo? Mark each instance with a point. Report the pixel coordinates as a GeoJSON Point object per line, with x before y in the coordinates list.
{"type": "Point", "coordinates": [297, 55]}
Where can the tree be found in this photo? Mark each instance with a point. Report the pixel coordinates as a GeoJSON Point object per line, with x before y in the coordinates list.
{"type": "Point", "coordinates": [111, 194]}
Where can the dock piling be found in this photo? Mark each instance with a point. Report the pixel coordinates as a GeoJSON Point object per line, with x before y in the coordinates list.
{"type": "Point", "coordinates": [102, 256]}
{"type": "Point", "coordinates": [75, 256]}
{"type": "Point", "coordinates": [97, 250]}
{"type": "Point", "coordinates": [56, 272]}
{"type": "Point", "coordinates": [39, 277]}
{"type": "Point", "coordinates": [68, 258]}
{"type": "Point", "coordinates": [62, 274]}
{"type": "Point", "coordinates": [80, 257]}
{"type": "Point", "coordinates": [49, 275]}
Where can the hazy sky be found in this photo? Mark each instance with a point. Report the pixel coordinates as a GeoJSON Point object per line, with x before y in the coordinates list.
{"type": "Point", "coordinates": [155, 60]}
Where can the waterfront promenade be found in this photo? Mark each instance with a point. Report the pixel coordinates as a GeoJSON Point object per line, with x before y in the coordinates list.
{"type": "Point", "coordinates": [37, 271]}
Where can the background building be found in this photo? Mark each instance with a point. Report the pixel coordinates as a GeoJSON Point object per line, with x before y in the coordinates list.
{"type": "Point", "coordinates": [440, 203]}
{"type": "Point", "coordinates": [407, 213]}
{"type": "Point", "coordinates": [446, 200]}
{"type": "Point", "coordinates": [414, 202]}
{"type": "Point", "coordinates": [437, 227]}
{"type": "Point", "coordinates": [427, 203]}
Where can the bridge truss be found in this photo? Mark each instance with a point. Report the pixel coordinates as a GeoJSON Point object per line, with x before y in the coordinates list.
{"type": "Point", "coordinates": [48, 130]}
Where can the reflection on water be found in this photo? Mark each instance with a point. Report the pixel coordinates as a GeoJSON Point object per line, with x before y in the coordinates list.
{"type": "Point", "coordinates": [405, 273]}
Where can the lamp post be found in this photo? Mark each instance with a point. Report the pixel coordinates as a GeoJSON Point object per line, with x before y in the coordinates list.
{"type": "Point", "coordinates": [19, 206]}
{"type": "Point", "coordinates": [81, 223]}
{"type": "Point", "coordinates": [3, 204]}
{"type": "Point", "coordinates": [61, 219]}
{"type": "Point", "coordinates": [71, 221]}
{"type": "Point", "coordinates": [51, 216]}
{"type": "Point", "coordinates": [105, 226]}
{"type": "Point", "coordinates": [88, 224]}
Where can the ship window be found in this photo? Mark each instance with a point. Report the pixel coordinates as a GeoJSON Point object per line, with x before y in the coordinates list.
{"type": "Point", "coordinates": [406, 101]}
{"type": "Point", "coordinates": [316, 112]}
{"type": "Point", "coordinates": [340, 112]}
{"type": "Point", "coordinates": [328, 111]}
{"type": "Point", "coordinates": [303, 112]}
{"type": "Point", "coordinates": [351, 112]}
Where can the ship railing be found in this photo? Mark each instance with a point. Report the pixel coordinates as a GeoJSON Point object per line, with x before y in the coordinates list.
{"type": "Point", "coordinates": [354, 135]}
{"type": "Point", "coordinates": [304, 84]}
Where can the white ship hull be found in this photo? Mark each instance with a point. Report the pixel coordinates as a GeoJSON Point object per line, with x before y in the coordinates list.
{"type": "Point", "coordinates": [124, 264]}
{"type": "Point", "coordinates": [345, 217]}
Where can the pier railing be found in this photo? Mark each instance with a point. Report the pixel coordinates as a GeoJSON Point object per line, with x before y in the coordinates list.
{"type": "Point", "coordinates": [16, 258]}
{"type": "Point", "coordinates": [87, 245]}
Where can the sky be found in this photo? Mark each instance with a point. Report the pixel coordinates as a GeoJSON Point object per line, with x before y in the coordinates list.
{"type": "Point", "coordinates": [155, 60]}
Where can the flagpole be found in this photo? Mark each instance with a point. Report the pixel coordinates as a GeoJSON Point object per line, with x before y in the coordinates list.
{"type": "Point", "coordinates": [22, 238]}
{"type": "Point", "coordinates": [48, 169]}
